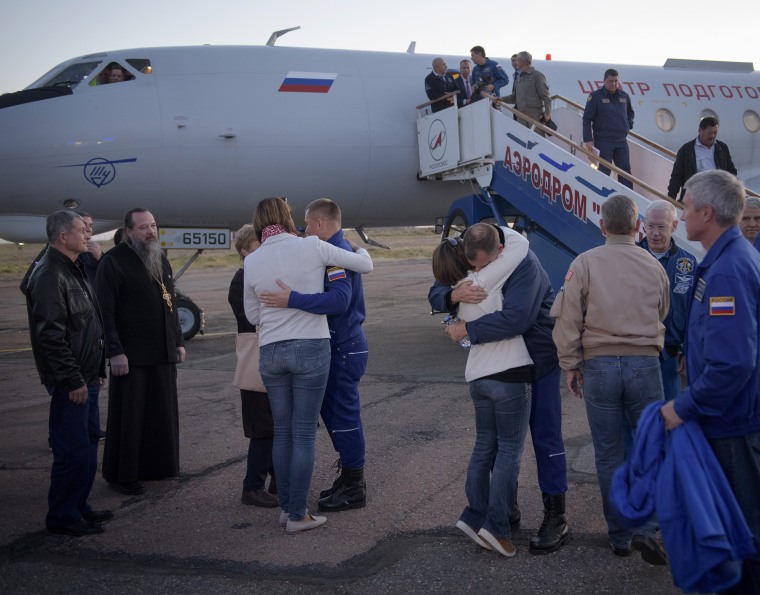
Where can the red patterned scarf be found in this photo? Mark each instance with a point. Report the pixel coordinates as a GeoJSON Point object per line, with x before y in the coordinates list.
{"type": "Point", "coordinates": [272, 230]}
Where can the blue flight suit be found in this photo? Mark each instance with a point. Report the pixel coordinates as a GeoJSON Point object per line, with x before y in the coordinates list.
{"type": "Point", "coordinates": [680, 266]}
{"type": "Point", "coordinates": [491, 73]}
{"type": "Point", "coordinates": [609, 116]}
{"type": "Point", "coordinates": [343, 303]}
{"type": "Point", "coordinates": [528, 297]}
{"type": "Point", "coordinates": [723, 368]}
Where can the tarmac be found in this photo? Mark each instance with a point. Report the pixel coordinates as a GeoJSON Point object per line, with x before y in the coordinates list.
{"type": "Point", "coordinates": [192, 534]}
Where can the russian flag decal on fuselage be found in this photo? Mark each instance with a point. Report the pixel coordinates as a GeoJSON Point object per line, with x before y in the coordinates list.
{"type": "Point", "coordinates": [308, 82]}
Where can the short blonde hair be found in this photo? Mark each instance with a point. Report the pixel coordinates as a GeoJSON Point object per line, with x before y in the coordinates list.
{"type": "Point", "coordinates": [243, 237]}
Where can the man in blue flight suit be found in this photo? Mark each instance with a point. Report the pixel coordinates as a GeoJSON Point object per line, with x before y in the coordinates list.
{"type": "Point", "coordinates": [488, 76]}
{"type": "Point", "coordinates": [527, 299]}
{"type": "Point", "coordinates": [723, 346]}
{"type": "Point", "coordinates": [606, 121]}
{"type": "Point", "coordinates": [343, 303]}
{"type": "Point", "coordinates": [659, 223]}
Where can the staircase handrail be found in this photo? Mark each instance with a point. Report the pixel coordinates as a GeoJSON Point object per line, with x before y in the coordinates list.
{"type": "Point", "coordinates": [594, 158]}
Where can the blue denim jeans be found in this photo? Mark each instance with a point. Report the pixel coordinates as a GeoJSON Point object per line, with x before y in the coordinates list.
{"type": "Point", "coordinates": [74, 432]}
{"type": "Point", "coordinates": [616, 390]}
{"type": "Point", "coordinates": [740, 459]}
{"type": "Point", "coordinates": [502, 410]}
{"type": "Point", "coordinates": [295, 375]}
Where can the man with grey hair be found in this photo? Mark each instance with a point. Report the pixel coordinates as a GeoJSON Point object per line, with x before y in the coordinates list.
{"type": "Point", "coordinates": [723, 346]}
{"type": "Point", "coordinates": [144, 344]}
{"type": "Point", "coordinates": [530, 93]}
{"type": "Point", "coordinates": [437, 84]}
{"type": "Point", "coordinates": [660, 221]}
{"type": "Point", "coordinates": [67, 341]}
{"type": "Point", "coordinates": [609, 334]}
{"type": "Point", "coordinates": [750, 221]}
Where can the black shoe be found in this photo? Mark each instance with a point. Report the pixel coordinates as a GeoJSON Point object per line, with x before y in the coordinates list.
{"type": "Point", "coordinates": [260, 498]}
{"type": "Point", "coordinates": [652, 550]}
{"type": "Point", "coordinates": [78, 529]}
{"type": "Point", "coordinates": [336, 484]}
{"type": "Point", "coordinates": [554, 531]}
{"type": "Point", "coordinates": [128, 488]}
{"type": "Point", "coordinates": [102, 435]}
{"type": "Point", "coordinates": [97, 516]}
{"type": "Point", "coordinates": [351, 493]}
{"type": "Point", "coordinates": [622, 552]}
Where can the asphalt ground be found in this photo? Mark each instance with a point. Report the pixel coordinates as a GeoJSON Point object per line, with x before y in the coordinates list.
{"type": "Point", "coordinates": [192, 535]}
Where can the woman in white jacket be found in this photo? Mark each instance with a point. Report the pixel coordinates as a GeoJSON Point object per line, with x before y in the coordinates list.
{"type": "Point", "coordinates": [498, 375]}
{"type": "Point", "coordinates": [294, 347]}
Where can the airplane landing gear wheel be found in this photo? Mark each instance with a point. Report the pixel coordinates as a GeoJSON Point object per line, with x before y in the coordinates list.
{"type": "Point", "coordinates": [190, 317]}
{"type": "Point", "coordinates": [455, 225]}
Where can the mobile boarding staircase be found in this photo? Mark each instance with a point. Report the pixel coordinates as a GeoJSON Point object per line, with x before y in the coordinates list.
{"type": "Point", "coordinates": [548, 188]}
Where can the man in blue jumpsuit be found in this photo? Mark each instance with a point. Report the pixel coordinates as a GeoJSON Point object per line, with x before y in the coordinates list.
{"type": "Point", "coordinates": [659, 223]}
{"type": "Point", "coordinates": [487, 76]}
{"type": "Point", "coordinates": [607, 118]}
{"type": "Point", "coordinates": [723, 346]}
{"type": "Point", "coordinates": [343, 303]}
{"type": "Point", "coordinates": [528, 297]}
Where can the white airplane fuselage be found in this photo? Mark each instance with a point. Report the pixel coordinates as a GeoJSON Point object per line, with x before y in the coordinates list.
{"type": "Point", "coordinates": [212, 130]}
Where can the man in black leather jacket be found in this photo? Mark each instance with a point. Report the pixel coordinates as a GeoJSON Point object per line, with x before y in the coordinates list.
{"type": "Point", "coordinates": [704, 152]}
{"type": "Point", "coordinates": [67, 340]}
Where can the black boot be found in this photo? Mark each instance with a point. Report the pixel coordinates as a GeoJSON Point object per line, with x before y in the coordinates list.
{"type": "Point", "coordinates": [341, 471]}
{"type": "Point", "coordinates": [554, 531]}
{"type": "Point", "coordinates": [351, 493]}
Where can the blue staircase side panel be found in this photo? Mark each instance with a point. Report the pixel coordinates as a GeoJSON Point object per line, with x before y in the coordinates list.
{"type": "Point", "coordinates": [554, 257]}
{"type": "Point", "coordinates": [562, 214]}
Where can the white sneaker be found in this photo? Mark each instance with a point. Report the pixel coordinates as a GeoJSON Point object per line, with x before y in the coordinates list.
{"type": "Point", "coordinates": [467, 530]}
{"type": "Point", "coordinates": [308, 522]}
{"type": "Point", "coordinates": [283, 518]}
{"type": "Point", "coordinates": [503, 546]}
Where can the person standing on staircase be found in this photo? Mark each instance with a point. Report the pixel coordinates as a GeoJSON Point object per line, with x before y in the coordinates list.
{"type": "Point", "coordinates": [343, 303]}
{"type": "Point", "coordinates": [607, 118]}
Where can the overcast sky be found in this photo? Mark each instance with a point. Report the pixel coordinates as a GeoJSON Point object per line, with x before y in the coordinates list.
{"type": "Point", "coordinates": [35, 35]}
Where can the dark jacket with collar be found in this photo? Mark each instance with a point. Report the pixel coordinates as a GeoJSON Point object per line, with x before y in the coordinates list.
{"type": "Point", "coordinates": [437, 86]}
{"type": "Point", "coordinates": [65, 323]}
{"type": "Point", "coordinates": [685, 165]}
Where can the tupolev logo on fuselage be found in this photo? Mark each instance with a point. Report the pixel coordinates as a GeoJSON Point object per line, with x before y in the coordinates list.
{"type": "Point", "coordinates": [99, 171]}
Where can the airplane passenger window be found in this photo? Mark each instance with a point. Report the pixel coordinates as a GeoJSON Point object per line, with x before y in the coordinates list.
{"type": "Point", "coordinates": [666, 121]}
{"type": "Point", "coordinates": [751, 121]}
{"type": "Point", "coordinates": [708, 113]}
{"type": "Point", "coordinates": [71, 76]}
{"type": "Point", "coordinates": [142, 65]}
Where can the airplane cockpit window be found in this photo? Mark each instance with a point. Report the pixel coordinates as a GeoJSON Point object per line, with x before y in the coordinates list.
{"type": "Point", "coordinates": [114, 72]}
{"type": "Point", "coordinates": [141, 65]}
{"type": "Point", "coordinates": [751, 121]}
{"type": "Point", "coordinates": [666, 121]}
{"type": "Point", "coordinates": [70, 76]}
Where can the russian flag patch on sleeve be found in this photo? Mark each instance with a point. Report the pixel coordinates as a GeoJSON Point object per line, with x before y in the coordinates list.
{"type": "Point", "coordinates": [722, 306]}
{"type": "Point", "coordinates": [335, 273]}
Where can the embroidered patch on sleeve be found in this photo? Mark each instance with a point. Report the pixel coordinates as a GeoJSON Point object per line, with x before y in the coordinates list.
{"type": "Point", "coordinates": [722, 306]}
{"type": "Point", "coordinates": [335, 273]}
{"type": "Point", "coordinates": [569, 276]}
